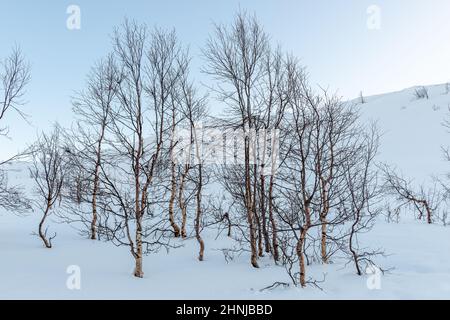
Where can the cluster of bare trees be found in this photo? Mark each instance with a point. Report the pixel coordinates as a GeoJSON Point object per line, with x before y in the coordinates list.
{"type": "Point", "coordinates": [120, 177]}
{"type": "Point", "coordinates": [313, 175]}
{"type": "Point", "coordinates": [298, 184]}
{"type": "Point", "coordinates": [14, 77]}
{"type": "Point", "coordinates": [298, 179]}
{"type": "Point", "coordinates": [47, 171]}
{"type": "Point", "coordinates": [296, 166]}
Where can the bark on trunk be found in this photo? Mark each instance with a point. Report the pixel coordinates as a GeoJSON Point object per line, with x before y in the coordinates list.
{"type": "Point", "coordinates": [301, 242]}
{"type": "Point", "coordinates": [258, 226]}
{"type": "Point", "coordinates": [301, 256]}
{"type": "Point", "coordinates": [249, 207]}
{"type": "Point", "coordinates": [175, 227]}
{"type": "Point", "coordinates": [263, 213]}
{"type": "Point", "coordinates": [226, 216]}
{"type": "Point", "coordinates": [324, 241]}
{"type": "Point", "coordinates": [182, 202]}
{"type": "Point", "coordinates": [353, 251]}
{"type": "Point", "coordinates": [96, 185]}
{"type": "Point", "coordinates": [199, 214]}
{"type": "Point", "coordinates": [47, 242]}
{"type": "Point", "coordinates": [428, 209]}
{"type": "Point", "coordinates": [94, 219]}
{"type": "Point", "coordinates": [138, 271]}
{"type": "Point", "coordinates": [254, 209]}
{"type": "Point", "coordinates": [323, 221]}
{"type": "Point", "coordinates": [94, 203]}
{"type": "Point", "coordinates": [276, 255]}
{"type": "Point", "coordinates": [352, 233]}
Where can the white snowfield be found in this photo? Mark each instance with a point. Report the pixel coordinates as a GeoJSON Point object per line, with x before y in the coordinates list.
{"type": "Point", "coordinates": [418, 253]}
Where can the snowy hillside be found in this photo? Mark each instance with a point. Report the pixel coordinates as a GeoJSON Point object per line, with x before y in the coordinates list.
{"type": "Point", "coordinates": [416, 254]}
{"type": "Point", "coordinates": [412, 129]}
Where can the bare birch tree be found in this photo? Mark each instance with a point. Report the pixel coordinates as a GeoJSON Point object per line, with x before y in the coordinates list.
{"type": "Point", "coordinates": [235, 57]}
{"type": "Point", "coordinates": [136, 154]}
{"type": "Point", "coordinates": [194, 110]}
{"type": "Point", "coordinates": [93, 108]}
{"type": "Point", "coordinates": [14, 77]}
{"type": "Point", "coordinates": [361, 178]}
{"type": "Point", "coordinates": [47, 171]}
{"type": "Point", "coordinates": [425, 202]}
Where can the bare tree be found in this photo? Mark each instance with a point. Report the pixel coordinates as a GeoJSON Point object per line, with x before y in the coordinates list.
{"type": "Point", "coordinates": [14, 77]}
{"type": "Point", "coordinates": [194, 111]}
{"type": "Point", "coordinates": [276, 99]}
{"type": "Point", "coordinates": [129, 47]}
{"type": "Point", "coordinates": [93, 108]}
{"type": "Point", "coordinates": [173, 172]}
{"type": "Point", "coordinates": [323, 142]}
{"type": "Point", "coordinates": [361, 183]}
{"type": "Point", "coordinates": [425, 202]}
{"type": "Point", "coordinates": [299, 187]}
{"type": "Point", "coordinates": [337, 143]}
{"type": "Point", "coordinates": [136, 158]}
{"type": "Point", "coordinates": [421, 93]}
{"type": "Point", "coordinates": [47, 171]}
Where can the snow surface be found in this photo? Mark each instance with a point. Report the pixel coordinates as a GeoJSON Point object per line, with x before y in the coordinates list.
{"type": "Point", "coordinates": [418, 253]}
{"type": "Point", "coordinates": [412, 130]}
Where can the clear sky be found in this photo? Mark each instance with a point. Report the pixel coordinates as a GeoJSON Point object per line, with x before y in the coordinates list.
{"type": "Point", "coordinates": [345, 48]}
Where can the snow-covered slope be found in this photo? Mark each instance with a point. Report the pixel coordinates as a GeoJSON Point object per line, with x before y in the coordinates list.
{"type": "Point", "coordinates": [412, 131]}
{"type": "Point", "coordinates": [419, 253]}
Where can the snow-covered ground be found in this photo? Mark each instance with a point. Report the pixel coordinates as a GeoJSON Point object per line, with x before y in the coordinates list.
{"type": "Point", "coordinates": [418, 253]}
{"type": "Point", "coordinates": [412, 130]}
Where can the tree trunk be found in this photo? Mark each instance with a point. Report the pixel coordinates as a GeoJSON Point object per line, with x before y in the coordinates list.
{"type": "Point", "coordinates": [254, 209]}
{"type": "Point", "coordinates": [138, 268]}
{"type": "Point", "coordinates": [302, 239]}
{"type": "Point", "coordinates": [183, 221]}
{"type": "Point", "coordinates": [176, 229]}
{"type": "Point", "coordinates": [182, 203]}
{"type": "Point", "coordinates": [323, 221]}
{"type": "Point", "coordinates": [138, 272]}
{"type": "Point", "coordinates": [263, 213]}
{"type": "Point", "coordinates": [96, 185]}
{"type": "Point", "coordinates": [301, 256]}
{"type": "Point", "coordinates": [276, 255]}
{"type": "Point", "coordinates": [227, 217]}
{"type": "Point", "coordinates": [47, 243]}
{"type": "Point", "coordinates": [94, 203]}
{"type": "Point", "coordinates": [428, 209]}
{"type": "Point", "coordinates": [249, 207]}
{"type": "Point", "coordinates": [260, 237]}
{"type": "Point", "coordinates": [352, 250]}
{"type": "Point", "coordinates": [323, 245]}
{"type": "Point", "coordinates": [199, 214]}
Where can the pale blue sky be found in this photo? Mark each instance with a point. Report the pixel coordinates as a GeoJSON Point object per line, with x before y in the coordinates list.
{"type": "Point", "coordinates": [330, 37]}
